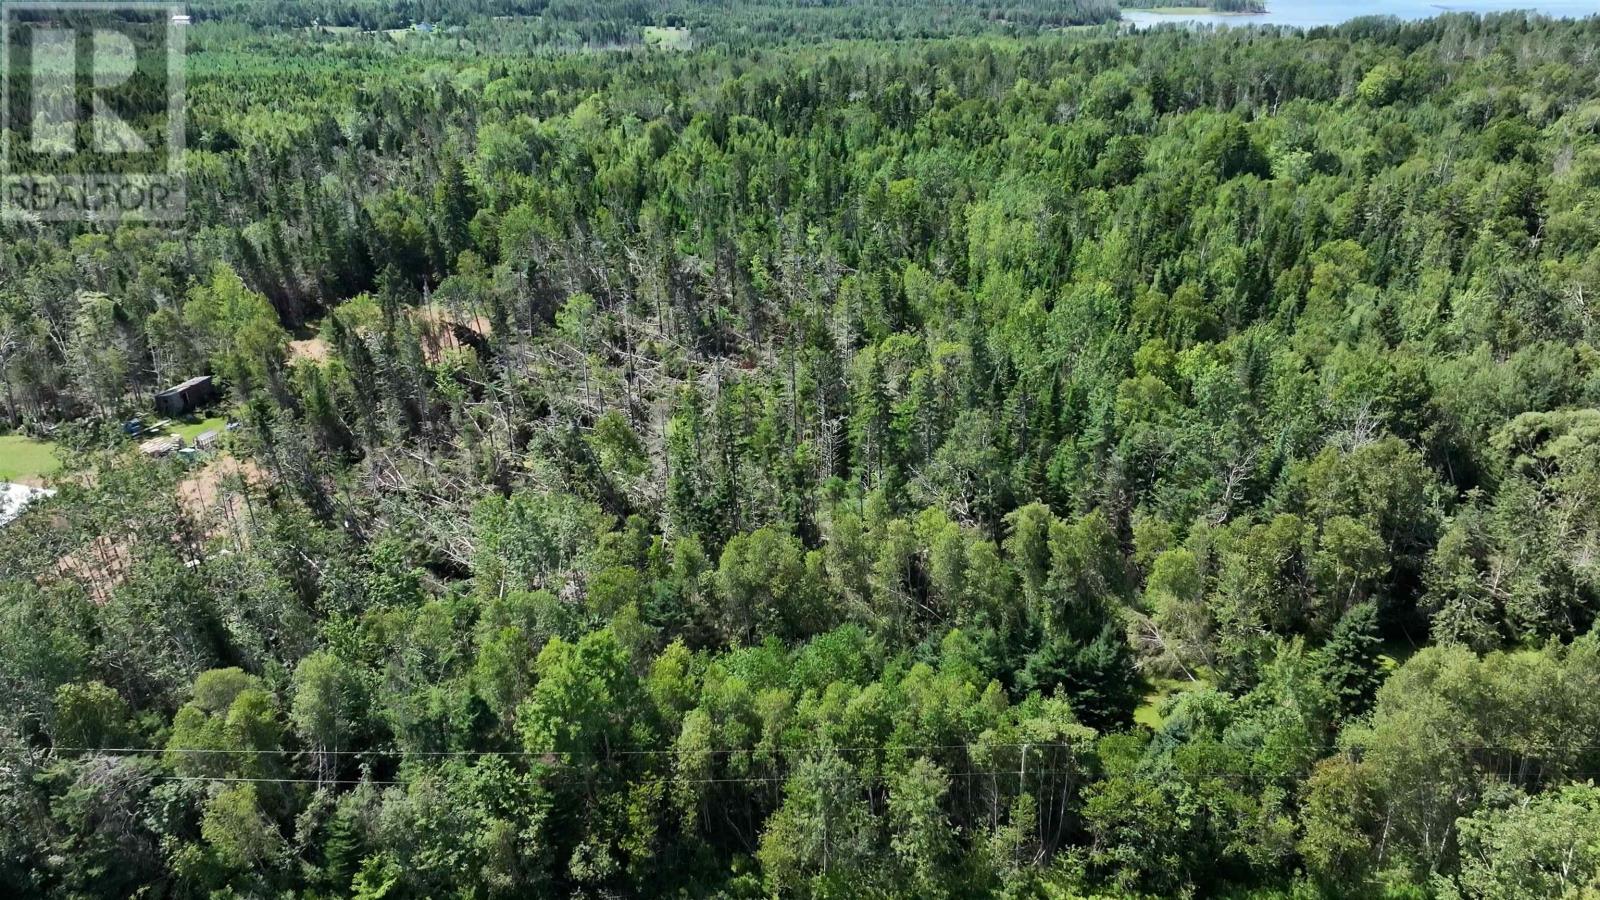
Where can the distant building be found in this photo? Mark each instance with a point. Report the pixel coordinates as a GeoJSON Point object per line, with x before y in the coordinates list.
{"type": "Point", "coordinates": [186, 397]}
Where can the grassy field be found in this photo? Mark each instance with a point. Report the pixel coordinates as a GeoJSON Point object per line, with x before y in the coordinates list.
{"type": "Point", "coordinates": [1149, 712]}
{"type": "Point", "coordinates": [667, 38]}
{"type": "Point", "coordinates": [28, 461]}
{"type": "Point", "coordinates": [25, 459]}
{"type": "Point", "coordinates": [191, 429]}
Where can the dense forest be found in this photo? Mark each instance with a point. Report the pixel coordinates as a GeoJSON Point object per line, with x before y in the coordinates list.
{"type": "Point", "coordinates": [569, 23]}
{"type": "Point", "coordinates": [869, 449]}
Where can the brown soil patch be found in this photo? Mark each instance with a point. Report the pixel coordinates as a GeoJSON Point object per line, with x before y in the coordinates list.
{"type": "Point", "coordinates": [203, 495]}
{"type": "Point", "coordinates": [314, 349]}
{"type": "Point", "coordinates": [442, 330]}
{"type": "Point", "coordinates": [103, 563]}
{"type": "Point", "coordinates": [100, 565]}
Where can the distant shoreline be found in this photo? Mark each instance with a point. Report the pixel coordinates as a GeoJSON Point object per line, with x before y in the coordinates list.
{"type": "Point", "coordinates": [1194, 11]}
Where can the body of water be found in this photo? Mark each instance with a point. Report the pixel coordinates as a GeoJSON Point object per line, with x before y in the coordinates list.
{"type": "Point", "coordinates": [1309, 13]}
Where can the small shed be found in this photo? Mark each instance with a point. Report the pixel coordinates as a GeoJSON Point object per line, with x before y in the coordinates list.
{"type": "Point", "coordinates": [186, 397]}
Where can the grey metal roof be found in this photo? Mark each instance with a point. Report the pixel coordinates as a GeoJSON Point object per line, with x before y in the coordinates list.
{"type": "Point", "coordinates": [198, 379]}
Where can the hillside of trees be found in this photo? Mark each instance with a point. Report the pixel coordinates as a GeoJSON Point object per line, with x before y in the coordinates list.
{"type": "Point", "coordinates": [617, 22]}
{"type": "Point", "coordinates": [1227, 6]}
{"type": "Point", "coordinates": [1009, 462]}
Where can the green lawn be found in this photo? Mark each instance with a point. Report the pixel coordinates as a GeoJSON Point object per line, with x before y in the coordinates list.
{"type": "Point", "coordinates": [1394, 653]}
{"type": "Point", "coordinates": [667, 38]}
{"type": "Point", "coordinates": [25, 459]}
{"type": "Point", "coordinates": [193, 428]}
{"type": "Point", "coordinates": [1149, 712]}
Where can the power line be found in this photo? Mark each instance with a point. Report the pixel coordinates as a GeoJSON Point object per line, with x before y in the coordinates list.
{"type": "Point", "coordinates": [568, 769]}
{"type": "Point", "coordinates": [679, 751]}
{"type": "Point", "coordinates": [664, 780]}
{"type": "Point", "coordinates": [683, 751]}
{"type": "Point", "coordinates": [673, 780]}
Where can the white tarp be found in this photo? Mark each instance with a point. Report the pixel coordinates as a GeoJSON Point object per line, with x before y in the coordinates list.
{"type": "Point", "coordinates": [13, 497]}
